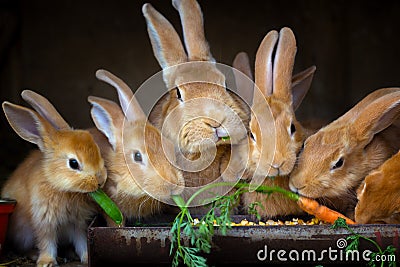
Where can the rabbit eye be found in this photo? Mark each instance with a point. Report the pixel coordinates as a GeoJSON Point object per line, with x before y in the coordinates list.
{"type": "Point", "coordinates": [137, 156]}
{"type": "Point", "coordinates": [292, 129]}
{"type": "Point", "coordinates": [338, 164]}
{"type": "Point", "coordinates": [74, 164]}
{"type": "Point", "coordinates": [178, 94]}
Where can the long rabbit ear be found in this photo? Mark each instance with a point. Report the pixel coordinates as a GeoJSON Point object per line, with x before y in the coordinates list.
{"type": "Point", "coordinates": [27, 124]}
{"type": "Point", "coordinates": [301, 82]}
{"type": "Point", "coordinates": [130, 106]}
{"type": "Point", "coordinates": [263, 68]}
{"type": "Point", "coordinates": [243, 76]}
{"type": "Point", "coordinates": [45, 109]}
{"type": "Point", "coordinates": [108, 118]}
{"type": "Point", "coordinates": [362, 105]}
{"type": "Point", "coordinates": [193, 30]}
{"type": "Point", "coordinates": [283, 65]}
{"type": "Point", "coordinates": [377, 116]}
{"type": "Point", "coordinates": [167, 45]}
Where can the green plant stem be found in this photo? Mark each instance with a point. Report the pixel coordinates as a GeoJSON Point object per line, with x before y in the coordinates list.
{"type": "Point", "coordinates": [261, 189]}
{"type": "Point", "coordinates": [243, 187]}
{"type": "Point", "coordinates": [367, 239]}
{"type": "Point", "coordinates": [179, 232]}
{"type": "Point", "coordinates": [271, 189]}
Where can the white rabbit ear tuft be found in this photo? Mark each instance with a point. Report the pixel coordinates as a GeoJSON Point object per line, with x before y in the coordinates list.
{"type": "Point", "coordinates": [128, 102]}
{"type": "Point", "coordinates": [243, 77]}
{"type": "Point", "coordinates": [193, 30]}
{"type": "Point", "coordinates": [301, 83]}
{"type": "Point", "coordinates": [108, 118]}
{"type": "Point", "coordinates": [377, 116]}
{"type": "Point", "coordinates": [27, 124]}
{"type": "Point", "coordinates": [43, 106]}
{"type": "Point", "coordinates": [167, 45]}
{"type": "Point", "coordinates": [283, 65]}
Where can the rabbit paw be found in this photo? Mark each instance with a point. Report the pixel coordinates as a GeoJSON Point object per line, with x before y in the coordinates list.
{"type": "Point", "coordinates": [46, 261]}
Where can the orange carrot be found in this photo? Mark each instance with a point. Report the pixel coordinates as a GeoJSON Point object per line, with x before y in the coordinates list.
{"type": "Point", "coordinates": [309, 205]}
{"type": "Point", "coordinates": [323, 213]}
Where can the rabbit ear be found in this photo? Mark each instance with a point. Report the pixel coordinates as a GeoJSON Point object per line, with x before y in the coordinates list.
{"type": "Point", "coordinates": [242, 63]}
{"type": "Point", "coordinates": [283, 65]}
{"type": "Point", "coordinates": [108, 118]}
{"type": "Point", "coordinates": [377, 116]}
{"type": "Point", "coordinates": [167, 45]}
{"type": "Point", "coordinates": [130, 106]}
{"type": "Point", "coordinates": [245, 85]}
{"type": "Point", "coordinates": [27, 124]}
{"type": "Point", "coordinates": [45, 109]}
{"type": "Point", "coordinates": [361, 106]}
{"type": "Point", "coordinates": [301, 82]}
{"type": "Point", "coordinates": [263, 68]}
{"type": "Point", "coordinates": [193, 30]}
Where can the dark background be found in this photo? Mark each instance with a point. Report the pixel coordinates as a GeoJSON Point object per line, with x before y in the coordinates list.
{"type": "Point", "coordinates": [55, 47]}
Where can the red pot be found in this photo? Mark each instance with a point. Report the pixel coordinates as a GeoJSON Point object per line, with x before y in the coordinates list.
{"type": "Point", "coordinates": [6, 208]}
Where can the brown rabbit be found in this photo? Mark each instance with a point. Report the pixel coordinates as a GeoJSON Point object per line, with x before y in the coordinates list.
{"type": "Point", "coordinates": [198, 113]}
{"type": "Point", "coordinates": [140, 178]}
{"type": "Point", "coordinates": [337, 158]}
{"type": "Point", "coordinates": [379, 194]}
{"type": "Point", "coordinates": [50, 186]}
{"type": "Point", "coordinates": [275, 134]}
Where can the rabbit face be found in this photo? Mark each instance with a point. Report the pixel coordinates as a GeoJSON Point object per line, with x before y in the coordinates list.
{"type": "Point", "coordinates": [322, 169]}
{"type": "Point", "coordinates": [378, 198]}
{"type": "Point", "coordinates": [149, 168]}
{"type": "Point", "coordinates": [289, 138]}
{"type": "Point", "coordinates": [203, 115]}
{"type": "Point", "coordinates": [77, 153]}
{"type": "Point", "coordinates": [276, 138]}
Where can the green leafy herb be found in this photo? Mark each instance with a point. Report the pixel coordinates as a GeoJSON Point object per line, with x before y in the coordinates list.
{"type": "Point", "coordinates": [218, 216]}
{"type": "Point", "coordinates": [253, 211]}
{"type": "Point", "coordinates": [200, 234]}
{"type": "Point", "coordinates": [354, 243]}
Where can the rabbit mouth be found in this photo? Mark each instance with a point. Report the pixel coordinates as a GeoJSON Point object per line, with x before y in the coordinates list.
{"type": "Point", "coordinates": [88, 188]}
{"type": "Point", "coordinates": [296, 189]}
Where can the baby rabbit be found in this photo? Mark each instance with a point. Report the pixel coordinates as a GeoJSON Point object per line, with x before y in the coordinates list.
{"type": "Point", "coordinates": [140, 177]}
{"type": "Point", "coordinates": [379, 194]}
{"type": "Point", "coordinates": [141, 174]}
{"type": "Point", "coordinates": [50, 186]}
{"type": "Point", "coordinates": [337, 158]}
{"type": "Point", "coordinates": [275, 134]}
{"type": "Point", "coordinates": [198, 113]}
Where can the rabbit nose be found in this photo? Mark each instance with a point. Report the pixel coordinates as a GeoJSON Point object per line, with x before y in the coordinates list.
{"type": "Point", "coordinates": [101, 178]}
{"type": "Point", "coordinates": [276, 167]}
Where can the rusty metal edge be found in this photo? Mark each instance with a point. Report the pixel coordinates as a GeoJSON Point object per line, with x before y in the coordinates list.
{"type": "Point", "coordinates": [147, 242]}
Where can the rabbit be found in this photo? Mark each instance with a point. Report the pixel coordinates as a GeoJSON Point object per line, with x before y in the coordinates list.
{"type": "Point", "coordinates": [280, 94]}
{"type": "Point", "coordinates": [140, 161]}
{"type": "Point", "coordinates": [378, 195]}
{"type": "Point", "coordinates": [140, 178]}
{"type": "Point", "coordinates": [336, 159]}
{"type": "Point", "coordinates": [198, 113]}
{"type": "Point", "coordinates": [50, 186]}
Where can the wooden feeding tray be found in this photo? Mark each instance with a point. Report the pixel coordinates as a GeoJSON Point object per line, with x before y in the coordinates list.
{"type": "Point", "coordinates": [250, 245]}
